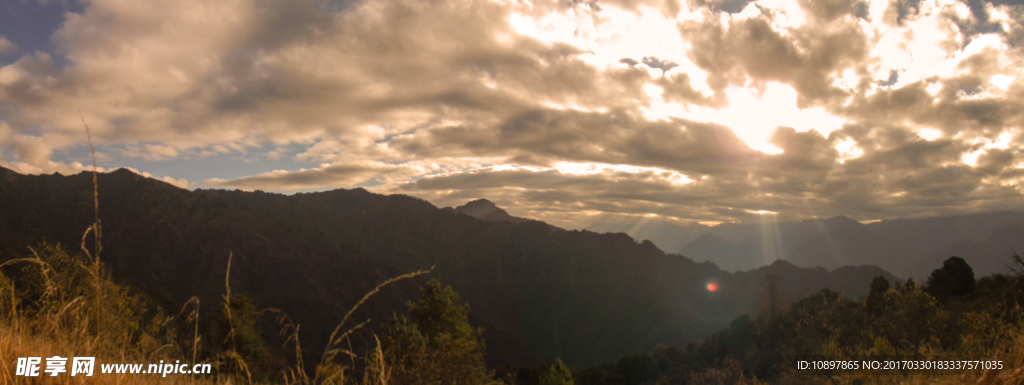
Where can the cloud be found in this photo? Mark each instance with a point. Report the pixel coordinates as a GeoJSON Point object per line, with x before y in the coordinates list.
{"type": "Point", "coordinates": [807, 58]}
{"type": "Point", "coordinates": [614, 137]}
{"type": "Point", "coordinates": [152, 152]}
{"type": "Point", "coordinates": [543, 107]}
{"type": "Point", "coordinates": [678, 88]}
{"type": "Point", "coordinates": [663, 65]}
{"type": "Point", "coordinates": [894, 77]}
{"type": "Point", "coordinates": [7, 47]}
{"type": "Point", "coordinates": [190, 75]}
{"type": "Point", "coordinates": [906, 177]}
{"type": "Point", "coordinates": [900, 10]}
{"type": "Point", "coordinates": [328, 175]}
{"type": "Point", "coordinates": [730, 6]}
{"type": "Point", "coordinates": [827, 11]}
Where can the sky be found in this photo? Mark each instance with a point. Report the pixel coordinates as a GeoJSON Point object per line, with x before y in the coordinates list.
{"type": "Point", "coordinates": [572, 112]}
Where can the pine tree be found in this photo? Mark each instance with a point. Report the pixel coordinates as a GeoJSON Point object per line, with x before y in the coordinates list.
{"type": "Point", "coordinates": [557, 374]}
{"type": "Point", "coordinates": [436, 344]}
{"type": "Point", "coordinates": [875, 301]}
{"type": "Point", "coordinates": [955, 278]}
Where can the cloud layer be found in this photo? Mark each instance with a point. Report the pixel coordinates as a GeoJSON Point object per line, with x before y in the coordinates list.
{"type": "Point", "coordinates": [681, 111]}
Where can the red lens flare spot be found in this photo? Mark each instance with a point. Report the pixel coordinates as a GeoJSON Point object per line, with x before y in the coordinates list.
{"type": "Point", "coordinates": [713, 286]}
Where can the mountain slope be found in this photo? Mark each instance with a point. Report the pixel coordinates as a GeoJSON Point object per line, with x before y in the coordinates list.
{"type": "Point", "coordinates": [539, 294]}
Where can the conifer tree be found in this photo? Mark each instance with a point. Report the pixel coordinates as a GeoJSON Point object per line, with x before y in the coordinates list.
{"type": "Point", "coordinates": [557, 374]}
{"type": "Point", "coordinates": [436, 344]}
{"type": "Point", "coordinates": [955, 278]}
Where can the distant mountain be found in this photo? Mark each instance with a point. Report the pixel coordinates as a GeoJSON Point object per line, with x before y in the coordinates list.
{"type": "Point", "coordinates": [906, 247]}
{"type": "Point", "coordinates": [797, 282]}
{"type": "Point", "coordinates": [986, 257]}
{"type": "Point", "coordinates": [668, 235]}
{"type": "Point", "coordinates": [486, 210]}
{"type": "Point", "coordinates": [828, 243]}
{"type": "Point", "coordinates": [727, 255]}
{"type": "Point", "coordinates": [539, 294]}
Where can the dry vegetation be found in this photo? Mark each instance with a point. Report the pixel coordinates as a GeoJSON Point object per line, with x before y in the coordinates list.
{"type": "Point", "coordinates": [59, 304]}
{"type": "Point", "coordinates": [72, 308]}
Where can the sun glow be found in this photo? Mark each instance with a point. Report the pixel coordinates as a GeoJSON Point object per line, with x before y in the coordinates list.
{"type": "Point", "coordinates": [752, 115]}
{"type": "Point", "coordinates": [848, 150]}
{"type": "Point", "coordinates": [929, 134]}
{"type": "Point", "coordinates": [712, 285]}
{"type": "Point", "coordinates": [577, 168]}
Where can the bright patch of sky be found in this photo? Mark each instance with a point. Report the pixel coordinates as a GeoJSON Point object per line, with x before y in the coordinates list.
{"type": "Point", "coordinates": [751, 114]}
{"type": "Point", "coordinates": [614, 34]}
{"type": "Point", "coordinates": [929, 134]}
{"type": "Point", "coordinates": [848, 150]}
{"type": "Point", "coordinates": [576, 168]}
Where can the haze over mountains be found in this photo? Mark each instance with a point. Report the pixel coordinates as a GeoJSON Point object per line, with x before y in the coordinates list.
{"type": "Point", "coordinates": [905, 247]}
{"type": "Point", "coordinates": [539, 292]}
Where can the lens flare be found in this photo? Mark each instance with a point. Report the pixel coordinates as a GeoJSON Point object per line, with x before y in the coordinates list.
{"type": "Point", "coordinates": [712, 286]}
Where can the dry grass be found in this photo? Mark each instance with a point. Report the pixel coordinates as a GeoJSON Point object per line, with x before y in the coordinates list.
{"type": "Point", "coordinates": [18, 343]}
{"type": "Point", "coordinates": [81, 312]}
{"type": "Point", "coordinates": [66, 320]}
{"type": "Point", "coordinates": [77, 311]}
{"type": "Point", "coordinates": [1009, 349]}
{"type": "Point", "coordinates": [329, 371]}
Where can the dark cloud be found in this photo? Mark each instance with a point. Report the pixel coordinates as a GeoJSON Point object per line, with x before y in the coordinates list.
{"type": "Point", "coordinates": [663, 65]}
{"type": "Point", "coordinates": [730, 6]}
{"type": "Point", "coordinates": [615, 137]}
{"type": "Point", "coordinates": [954, 109]}
{"type": "Point", "coordinates": [901, 174]}
{"type": "Point", "coordinates": [609, 191]}
{"type": "Point", "coordinates": [900, 10]}
{"type": "Point", "coordinates": [980, 22]}
{"type": "Point", "coordinates": [826, 11]}
{"type": "Point", "coordinates": [999, 162]}
{"type": "Point", "coordinates": [911, 178]}
{"type": "Point", "coordinates": [677, 88]}
{"type": "Point", "coordinates": [807, 59]}
{"type": "Point", "coordinates": [335, 175]}
{"type": "Point", "coordinates": [894, 77]}
{"type": "Point", "coordinates": [628, 61]}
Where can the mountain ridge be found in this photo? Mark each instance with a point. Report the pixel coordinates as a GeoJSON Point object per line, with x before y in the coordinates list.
{"type": "Point", "coordinates": [906, 247]}
{"type": "Point", "coordinates": [539, 294]}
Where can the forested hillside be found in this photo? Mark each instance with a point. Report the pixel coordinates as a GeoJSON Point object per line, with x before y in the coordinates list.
{"type": "Point", "coordinates": [951, 316]}
{"type": "Point", "coordinates": [538, 292]}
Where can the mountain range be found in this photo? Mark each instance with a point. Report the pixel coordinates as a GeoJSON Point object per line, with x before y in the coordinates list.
{"type": "Point", "coordinates": [539, 292]}
{"type": "Point", "coordinates": [909, 248]}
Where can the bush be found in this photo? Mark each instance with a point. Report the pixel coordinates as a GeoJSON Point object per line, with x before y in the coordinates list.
{"type": "Point", "coordinates": [436, 344]}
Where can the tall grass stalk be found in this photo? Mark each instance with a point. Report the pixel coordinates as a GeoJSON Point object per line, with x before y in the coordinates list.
{"type": "Point", "coordinates": [335, 338]}
{"type": "Point", "coordinates": [60, 321]}
{"type": "Point", "coordinates": [97, 245]}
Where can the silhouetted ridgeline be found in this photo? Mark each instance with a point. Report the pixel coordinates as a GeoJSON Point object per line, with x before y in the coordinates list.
{"type": "Point", "coordinates": [539, 292]}
{"type": "Point", "coordinates": [906, 247]}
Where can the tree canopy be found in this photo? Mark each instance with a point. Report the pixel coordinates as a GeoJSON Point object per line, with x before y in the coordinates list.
{"type": "Point", "coordinates": [954, 279]}
{"type": "Point", "coordinates": [436, 344]}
